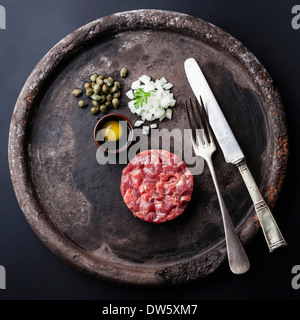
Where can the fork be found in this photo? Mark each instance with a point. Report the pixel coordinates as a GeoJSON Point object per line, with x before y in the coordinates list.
{"type": "Point", "coordinates": [204, 146]}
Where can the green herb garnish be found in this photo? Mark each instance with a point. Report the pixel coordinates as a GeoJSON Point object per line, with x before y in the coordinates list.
{"type": "Point", "coordinates": [140, 96]}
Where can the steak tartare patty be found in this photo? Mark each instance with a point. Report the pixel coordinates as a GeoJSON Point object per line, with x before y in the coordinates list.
{"type": "Point", "coordinates": [157, 186]}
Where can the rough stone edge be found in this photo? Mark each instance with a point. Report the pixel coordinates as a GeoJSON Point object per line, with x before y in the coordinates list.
{"type": "Point", "coordinates": [130, 20]}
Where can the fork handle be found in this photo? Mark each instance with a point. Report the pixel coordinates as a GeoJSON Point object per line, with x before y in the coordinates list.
{"type": "Point", "coordinates": [268, 224]}
{"type": "Point", "coordinates": [237, 257]}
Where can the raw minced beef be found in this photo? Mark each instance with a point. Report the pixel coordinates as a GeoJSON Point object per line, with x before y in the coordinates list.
{"type": "Point", "coordinates": [157, 186]}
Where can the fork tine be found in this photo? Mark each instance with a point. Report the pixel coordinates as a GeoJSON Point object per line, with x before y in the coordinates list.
{"type": "Point", "coordinates": [190, 124]}
{"type": "Point", "coordinates": [188, 114]}
{"type": "Point", "coordinates": [202, 138]}
{"type": "Point", "coordinates": [196, 129]}
{"type": "Point", "coordinates": [198, 112]}
{"type": "Point", "coordinates": [202, 122]}
{"type": "Point", "coordinates": [207, 124]}
{"type": "Point", "coordinates": [194, 126]}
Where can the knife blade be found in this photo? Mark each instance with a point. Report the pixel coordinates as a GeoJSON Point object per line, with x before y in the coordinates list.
{"type": "Point", "coordinates": [232, 151]}
{"type": "Point", "coordinates": [229, 145]}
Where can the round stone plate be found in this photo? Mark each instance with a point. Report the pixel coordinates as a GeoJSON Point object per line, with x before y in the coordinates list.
{"type": "Point", "coordinates": [74, 204]}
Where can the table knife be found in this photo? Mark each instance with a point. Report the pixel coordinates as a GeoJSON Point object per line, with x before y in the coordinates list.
{"type": "Point", "coordinates": [232, 152]}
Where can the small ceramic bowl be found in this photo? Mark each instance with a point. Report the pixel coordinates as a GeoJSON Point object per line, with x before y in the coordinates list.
{"type": "Point", "coordinates": [120, 145]}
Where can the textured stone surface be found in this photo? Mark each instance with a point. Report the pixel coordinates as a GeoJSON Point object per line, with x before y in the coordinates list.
{"type": "Point", "coordinates": [59, 184]}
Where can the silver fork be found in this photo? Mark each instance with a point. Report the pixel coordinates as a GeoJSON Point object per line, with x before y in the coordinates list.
{"type": "Point", "coordinates": [204, 147]}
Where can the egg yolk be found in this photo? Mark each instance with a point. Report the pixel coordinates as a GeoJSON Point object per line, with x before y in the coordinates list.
{"type": "Point", "coordinates": [112, 130]}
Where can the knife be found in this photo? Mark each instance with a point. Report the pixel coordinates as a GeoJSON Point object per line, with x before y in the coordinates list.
{"type": "Point", "coordinates": [232, 152]}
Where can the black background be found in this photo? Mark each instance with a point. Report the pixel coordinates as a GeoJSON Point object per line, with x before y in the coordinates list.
{"type": "Point", "coordinates": [33, 27]}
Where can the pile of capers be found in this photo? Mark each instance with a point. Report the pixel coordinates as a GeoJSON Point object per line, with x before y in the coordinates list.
{"type": "Point", "coordinates": [104, 92]}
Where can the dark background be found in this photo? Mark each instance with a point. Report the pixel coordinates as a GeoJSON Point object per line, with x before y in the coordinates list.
{"type": "Point", "coordinates": [33, 27]}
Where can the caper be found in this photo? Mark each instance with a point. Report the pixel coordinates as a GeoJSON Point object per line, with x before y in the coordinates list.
{"type": "Point", "coordinates": [82, 103]}
{"type": "Point", "coordinates": [97, 88]}
{"type": "Point", "coordinates": [109, 97]}
{"type": "Point", "coordinates": [77, 92]}
{"type": "Point", "coordinates": [115, 102]}
{"type": "Point", "coordinates": [123, 72]}
{"type": "Point", "coordinates": [105, 88]}
{"type": "Point", "coordinates": [99, 81]}
{"type": "Point", "coordinates": [111, 79]}
{"type": "Point", "coordinates": [103, 108]}
{"type": "Point", "coordinates": [87, 85]}
{"type": "Point", "coordinates": [95, 97]}
{"type": "Point", "coordinates": [103, 97]}
{"type": "Point", "coordinates": [89, 92]}
{"type": "Point", "coordinates": [117, 84]}
{"type": "Point", "coordinates": [96, 103]}
{"type": "Point", "coordinates": [108, 82]}
{"type": "Point", "coordinates": [95, 110]}
{"type": "Point", "coordinates": [94, 77]}
{"type": "Point", "coordinates": [114, 89]}
{"type": "Point", "coordinates": [108, 104]}
{"type": "Point", "coordinates": [104, 92]}
{"type": "Point", "coordinates": [117, 94]}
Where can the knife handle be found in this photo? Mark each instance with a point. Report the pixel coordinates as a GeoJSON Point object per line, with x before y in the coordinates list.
{"type": "Point", "coordinates": [268, 224]}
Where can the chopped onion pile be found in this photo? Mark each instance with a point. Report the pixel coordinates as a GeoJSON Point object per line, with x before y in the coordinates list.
{"type": "Point", "coordinates": [158, 104]}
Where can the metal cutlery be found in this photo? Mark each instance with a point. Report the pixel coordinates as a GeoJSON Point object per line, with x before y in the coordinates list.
{"type": "Point", "coordinates": [232, 152]}
{"type": "Point", "coordinates": [204, 146]}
